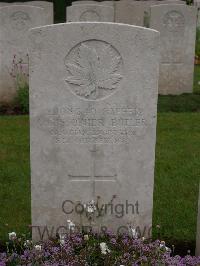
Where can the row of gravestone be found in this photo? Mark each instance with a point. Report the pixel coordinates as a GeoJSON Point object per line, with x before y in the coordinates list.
{"type": "Point", "coordinates": [93, 109]}
{"type": "Point", "coordinates": [176, 23]}
{"type": "Point", "coordinates": [173, 19]}
{"type": "Point", "coordinates": [130, 12]}
{"type": "Point", "coordinates": [125, 11]}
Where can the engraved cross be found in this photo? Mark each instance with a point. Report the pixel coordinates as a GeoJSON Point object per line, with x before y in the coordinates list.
{"type": "Point", "coordinates": [93, 177]}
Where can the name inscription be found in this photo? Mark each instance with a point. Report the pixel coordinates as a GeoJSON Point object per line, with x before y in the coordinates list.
{"type": "Point", "coordinates": [69, 124]}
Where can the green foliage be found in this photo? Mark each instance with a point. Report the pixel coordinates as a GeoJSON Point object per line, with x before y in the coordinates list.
{"type": "Point", "coordinates": [197, 50]}
{"type": "Point", "coordinates": [22, 99]}
{"type": "Point", "coordinates": [189, 2]}
{"type": "Point", "coordinates": [20, 75]}
{"type": "Point", "coordinates": [196, 87]}
{"type": "Point", "coordinates": [60, 10]}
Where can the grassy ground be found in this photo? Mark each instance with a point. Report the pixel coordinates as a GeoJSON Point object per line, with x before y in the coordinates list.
{"type": "Point", "coordinates": [176, 177]}
{"type": "Point", "coordinates": [197, 79]}
{"type": "Point", "coordinates": [14, 174]}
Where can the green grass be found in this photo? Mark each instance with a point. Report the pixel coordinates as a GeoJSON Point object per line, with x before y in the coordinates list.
{"type": "Point", "coordinates": [14, 174]}
{"type": "Point", "coordinates": [176, 175]}
{"type": "Point", "coordinates": [179, 103]}
{"type": "Point", "coordinates": [196, 87]}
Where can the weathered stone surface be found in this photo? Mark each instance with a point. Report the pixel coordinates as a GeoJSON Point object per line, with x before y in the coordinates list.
{"type": "Point", "coordinates": [143, 7]}
{"type": "Point", "coordinates": [105, 3]}
{"type": "Point", "coordinates": [48, 7]}
{"type": "Point", "coordinates": [129, 12]}
{"type": "Point", "coordinates": [198, 18]}
{"type": "Point", "coordinates": [98, 13]}
{"type": "Point", "coordinates": [93, 122]}
{"type": "Point", "coordinates": [15, 21]}
{"type": "Point", "coordinates": [197, 3]}
{"type": "Point", "coordinates": [171, 2]}
{"type": "Point", "coordinates": [198, 229]}
{"type": "Point", "coordinates": [177, 25]}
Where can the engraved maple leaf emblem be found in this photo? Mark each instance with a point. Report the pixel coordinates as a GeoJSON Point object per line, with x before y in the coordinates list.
{"type": "Point", "coordinates": [94, 70]}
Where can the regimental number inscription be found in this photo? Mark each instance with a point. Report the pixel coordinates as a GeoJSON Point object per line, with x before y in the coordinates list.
{"type": "Point", "coordinates": [20, 20]}
{"type": "Point", "coordinates": [174, 21]}
{"type": "Point", "coordinates": [90, 15]}
{"type": "Point", "coordinates": [94, 69]}
{"type": "Point", "coordinates": [94, 125]}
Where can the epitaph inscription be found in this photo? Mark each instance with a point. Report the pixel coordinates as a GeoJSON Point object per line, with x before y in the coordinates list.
{"type": "Point", "coordinates": [94, 69]}
{"type": "Point", "coordinates": [108, 125]}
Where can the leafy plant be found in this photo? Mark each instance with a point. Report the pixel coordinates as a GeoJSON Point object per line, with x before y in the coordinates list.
{"type": "Point", "coordinates": [189, 2]}
{"type": "Point", "coordinates": [197, 50]}
{"type": "Point", "coordinates": [19, 73]}
{"type": "Point", "coordinates": [22, 98]}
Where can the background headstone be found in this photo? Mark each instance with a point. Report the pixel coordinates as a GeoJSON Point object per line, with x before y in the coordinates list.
{"type": "Point", "coordinates": [48, 7]}
{"type": "Point", "coordinates": [177, 26]}
{"type": "Point", "coordinates": [93, 121]}
{"type": "Point", "coordinates": [129, 12]}
{"type": "Point", "coordinates": [15, 21]}
{"type": "Point", "coordinates": [171, 2]}
{"type": "Point", "coordinates": [197, 4]}
{"type": "Point", "coordinates": [106, 3]}
{"type": "Point", "coordinates": [98, 13]}
{"type": "Point", "coordinates": [144, 7]}
{"type": "Point", "coordinates": [198, 229]}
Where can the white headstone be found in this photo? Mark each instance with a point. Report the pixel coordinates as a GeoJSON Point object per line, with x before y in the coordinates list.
{"type": "Point", "coordinates": [105, 3]}
{"type": "Point", "coordinates": [197, 3]}
{"type": "Point", "coordinates": [48, 7]}
{"type": "Point", "coordinates": [198, 229]}
{"type": "Point", "coordinates": [143, 7]}
{"type": "Point", "coordinates": [98, 13]}
{"type": "Point", "coordinates": [129, 12]}
{"type": "Point", "coordinates": [15, 21]}
{"type": "Point", "coordinates": [171, 2]}
{"type": "Point", "coordinates": [93, 123]}
{"type": "Point", "coordinates": [177, 26]}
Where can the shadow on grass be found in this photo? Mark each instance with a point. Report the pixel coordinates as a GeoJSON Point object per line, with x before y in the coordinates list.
{"type": "Point", "coordinates": [179, 103]}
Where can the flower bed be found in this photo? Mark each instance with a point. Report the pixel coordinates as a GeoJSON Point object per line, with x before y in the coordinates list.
{"type": "Point", "coordinates": [93, 249]}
